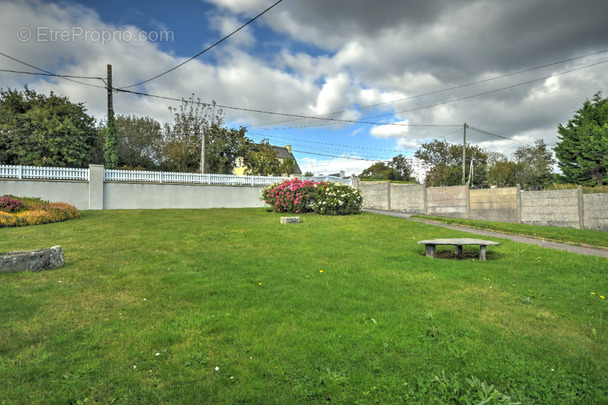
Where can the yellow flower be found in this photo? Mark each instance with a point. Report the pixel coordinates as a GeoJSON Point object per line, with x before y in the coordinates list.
{"type": "Point", "coordinates": [259, 283]}
{"type": "Point", "coordinates": [592, 293]}
{"type": "Point", "coordinates": [601, 296]}
{"type": "Point", "coordinates": [320, 271]}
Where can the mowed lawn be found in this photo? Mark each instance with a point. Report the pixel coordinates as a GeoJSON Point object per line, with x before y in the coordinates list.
{"type": "Point", "coordinates": [230, 306]}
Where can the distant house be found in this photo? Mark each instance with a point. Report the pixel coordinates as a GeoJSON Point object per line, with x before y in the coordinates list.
{"type": "Point", "coordinates": [283, 152]}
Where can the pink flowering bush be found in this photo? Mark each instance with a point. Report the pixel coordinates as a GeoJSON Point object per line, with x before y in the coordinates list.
{"type": "Point", "coordinates": [300, 196]}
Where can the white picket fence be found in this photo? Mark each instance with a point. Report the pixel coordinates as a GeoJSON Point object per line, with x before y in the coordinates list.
{"type": "Point", "coordinates": [64, 173]}
{"type": "Point", "coordinates": [43, 173]}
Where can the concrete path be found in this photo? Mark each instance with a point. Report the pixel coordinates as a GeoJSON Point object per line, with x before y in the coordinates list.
{"type": "Point", "coordinates": [515, 238]}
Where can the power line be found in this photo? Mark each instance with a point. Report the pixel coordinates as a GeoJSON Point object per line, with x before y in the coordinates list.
{"type": "Point", "coordinates": [490, 91]}
{"type": "Point", "coordinates": [451, 88]}
{"type": "Point", "coordinates": [65, 77]}
{"type": "Point", "coordinates": [257, 111]}
{"type": "Point", "coordinates": [205, 50]}
{"type": "Point", "coordinates": [498, 136]}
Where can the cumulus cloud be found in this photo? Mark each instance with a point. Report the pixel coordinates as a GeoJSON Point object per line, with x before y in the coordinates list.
{"type": "Point", "coordinates": [340, 57]}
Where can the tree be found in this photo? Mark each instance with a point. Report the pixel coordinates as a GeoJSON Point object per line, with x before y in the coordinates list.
{"type": "Point", "coordinates": [182, 141]}
{"type": "Point", "coordinates": [223, 147]}
{"type": "Point", "coordinates": [139, 142]}
{"type": "Point", "coordinates": [582, 150]}
{"type": "Point", "coordinates": [534, 165]}
{"type": "Point", "coordinates": [445, 162]}
{"type": "Point", "coordinates": [501, 171]}
{"type": "Point", "coordinates": [309, 174]}
{"type": "Point", "coordinates": [261, 159]}
{"type": "Point", "coordinates": [377, 171]}
{"type": "Point", "coordinates": [402, 167]}
{"type": "Point", "coordinates": [40, 130]}
{"type": "Point", "coordinates": [397, 169]}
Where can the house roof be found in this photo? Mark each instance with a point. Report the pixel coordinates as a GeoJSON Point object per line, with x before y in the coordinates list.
{"type": "Point", "coordinates": [284, 153]}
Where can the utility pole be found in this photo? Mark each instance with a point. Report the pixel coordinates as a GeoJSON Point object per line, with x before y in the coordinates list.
{"type": "Point", "coordinates": [110, 105]}
{"type": "Point", "coordinates": [464, 153]}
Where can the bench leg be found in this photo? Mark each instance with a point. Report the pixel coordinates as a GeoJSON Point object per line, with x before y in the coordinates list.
{"type": "Point", "coordinates": [458, 250]}
{"type": "Point", "coordinates": [482, 252]}
{"type": "Point", "coordinates": [430, 250]}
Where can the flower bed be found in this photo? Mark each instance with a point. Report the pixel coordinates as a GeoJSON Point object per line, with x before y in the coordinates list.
{"type": "Point", "coordinates": [16, 211]}
{"type": "Point", "coordinates": [300, 196]}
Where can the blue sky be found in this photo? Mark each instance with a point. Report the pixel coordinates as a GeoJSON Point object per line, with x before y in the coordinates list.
{"type": "Point", "coordinates": [408, 59]}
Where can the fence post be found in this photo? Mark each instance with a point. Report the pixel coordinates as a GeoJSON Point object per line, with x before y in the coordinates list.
{"type": "Point", "coordinates": [96, 177]}
{"type": "Point", "coordinates": [20, 172]}
{"type": "Point", "coordinates": [581, 208]}
{"type": "Point", "coordinates": [518, 203]}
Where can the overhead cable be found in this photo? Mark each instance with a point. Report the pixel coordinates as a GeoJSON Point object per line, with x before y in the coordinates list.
{"type": "Point", "coordinates": [204, 50]}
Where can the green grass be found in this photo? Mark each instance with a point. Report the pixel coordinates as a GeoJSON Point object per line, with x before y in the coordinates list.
{"type": "Point", "coordinates": [581, 237]}
{"type": "Point", "coordinates": [149, 303]}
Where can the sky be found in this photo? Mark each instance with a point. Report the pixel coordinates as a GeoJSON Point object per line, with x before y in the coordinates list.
{"type": "Point", "coordinates": [345, 82]}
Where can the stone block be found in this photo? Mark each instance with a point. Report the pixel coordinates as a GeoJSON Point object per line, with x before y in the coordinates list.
{"type": "Point", "coordinates": [290, 220]}
{"type": "Point", "coordinates": [36, 260]}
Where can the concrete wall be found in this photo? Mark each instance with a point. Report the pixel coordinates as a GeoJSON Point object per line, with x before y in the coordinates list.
{"type": "Point", "coordinates": [562, 208]}
{"type": "Point", "coordinates": [408, 198]}
{"type": "Point", "coordinates": [114, 195]}
{"type": "Point", "coordinates": [552, 207]}
{"type": "Point", "coordinates": [448, 201]}
{"type": "Point", "coordinates": [595, 211]}
{"type": "Point", "coordinates": [71, 192]}
{"type": "Point", "coordinates": [376, 194]}
{"type": "Point", "coordinates": [153, 195]}
{"type": "Point", "coordinates": [494, 204]}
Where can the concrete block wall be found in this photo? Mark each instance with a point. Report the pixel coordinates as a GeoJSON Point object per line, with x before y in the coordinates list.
{"type": "Point", "coordinates": [448, 201]}
{"type": "Point", "coordinates": [408, 197]}
{"type": "Point", "coordinates": [595, 211]}
{"type": "Point", "coordinates": [552, 207]}
{"type": "Point", "coordinates": [376, 194]}
{"type": "Point", "coordinates": [494, 204]}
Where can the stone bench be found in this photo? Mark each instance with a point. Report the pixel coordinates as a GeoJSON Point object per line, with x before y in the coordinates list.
{"type": "Point", "coordinates": [431, 245]}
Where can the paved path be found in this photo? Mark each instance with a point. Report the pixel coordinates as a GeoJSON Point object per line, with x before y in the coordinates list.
{"type": "Point", "coordinates": [515, 238]}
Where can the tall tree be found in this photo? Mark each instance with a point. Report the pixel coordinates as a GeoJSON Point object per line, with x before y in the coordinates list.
{"type": "Point", "coordinates": [534, 165]}
{"type": "Point", "coordinates": [40, 130]}
{"type": "Point", "coordinates": [582, 150]}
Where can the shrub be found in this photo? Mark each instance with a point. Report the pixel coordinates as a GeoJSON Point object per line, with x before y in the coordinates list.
{"type": "Point", "coordinates": [299, 196]}
{"type": "Point", "coordinates": [8, 203]}
{"type": "Point", "coordinates": [337, 199]}
{"type": "Point", "coordinates": [36, 212]}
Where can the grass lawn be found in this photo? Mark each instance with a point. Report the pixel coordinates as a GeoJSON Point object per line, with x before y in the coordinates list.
{"type": "Point", "coordinates": [571, 236]}
{"type": "Point", "coordinates": [229, 306]}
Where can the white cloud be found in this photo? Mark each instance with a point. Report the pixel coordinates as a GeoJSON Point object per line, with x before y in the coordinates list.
{"type": "Point", "coordinates": [394, 130]}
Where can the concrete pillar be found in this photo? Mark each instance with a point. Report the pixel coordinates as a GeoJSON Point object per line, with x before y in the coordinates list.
{"type": "Point", "coordinates": [96, 187]}
{"type": "Point", "coordinates": [424, 198]}
{"type": "Point", "coordinates": [581, 208]}
{"type": "Point", "coordinates": [388, 195]}
{"type": "Point", "coordinates": [519, 204]}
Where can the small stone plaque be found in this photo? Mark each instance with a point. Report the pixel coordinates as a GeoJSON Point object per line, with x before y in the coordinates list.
{"type": "Point", "coordinates": [290, 220]}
